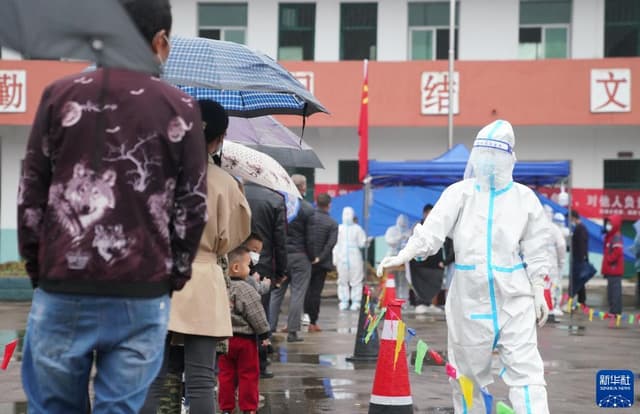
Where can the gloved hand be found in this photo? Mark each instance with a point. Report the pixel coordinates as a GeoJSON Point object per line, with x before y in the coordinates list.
{"type": "Point", "coordinates": [540, 303]}
{"type": "Point", "coordinates": [393, 261]}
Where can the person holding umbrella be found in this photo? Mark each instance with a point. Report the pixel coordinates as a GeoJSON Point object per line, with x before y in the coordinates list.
{"type": "Point", "coordinates": [111, 207]}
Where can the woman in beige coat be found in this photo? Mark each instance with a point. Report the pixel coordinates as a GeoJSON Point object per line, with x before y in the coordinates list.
{"type": "Point", "coordinates": [200, 312]}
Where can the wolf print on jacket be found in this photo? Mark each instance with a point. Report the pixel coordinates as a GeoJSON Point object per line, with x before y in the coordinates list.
{"type": "Point", "coordinates": [160, 205]}
{"type": "Point", "coordinates": [83, 200]}
{"type": "Point", "coordinates": [111, 243]}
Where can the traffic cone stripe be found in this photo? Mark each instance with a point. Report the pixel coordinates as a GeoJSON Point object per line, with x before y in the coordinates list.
{"type": "Point", "coordinates": [383, 400]}
{"type": "Point", "coordinates": [391, 282]}
{"type": "Point", "coordinates": [390, 330]}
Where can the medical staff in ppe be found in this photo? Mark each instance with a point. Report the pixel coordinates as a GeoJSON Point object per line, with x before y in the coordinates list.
{"type": "Point", "coordinates": [347, 258]}
{"type": "Point", "coordinates": [558, 254]}
{"type": "Point", "coordinates": [396, 237]}
{"type": "Point", "coordinates": [500, 236]}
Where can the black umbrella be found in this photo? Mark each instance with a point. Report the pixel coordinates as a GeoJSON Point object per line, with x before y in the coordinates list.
{"type": "Point", "coordinates": [95, 30]}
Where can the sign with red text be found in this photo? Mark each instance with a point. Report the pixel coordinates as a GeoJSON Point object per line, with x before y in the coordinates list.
{"type": "Point", "coordinates": [610, 90]}
{"type": "Point", "coordinates": [13, 91]}
{"type": "Point", "coordinates": [335, 190]}
{"type": "Point", "coordinates": [599, 203]}
{"type": "Point", "coordinates": [435, 94]}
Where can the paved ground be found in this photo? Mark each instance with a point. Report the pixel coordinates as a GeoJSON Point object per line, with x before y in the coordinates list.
{"type": "Point", "coordinates": [313, 376]}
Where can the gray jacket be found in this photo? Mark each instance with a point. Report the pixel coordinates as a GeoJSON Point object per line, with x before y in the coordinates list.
{"type": "Point", "coordinates": [247, 313]}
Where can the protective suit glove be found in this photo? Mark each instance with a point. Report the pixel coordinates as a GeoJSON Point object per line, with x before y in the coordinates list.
{"type": "Point", "coordinates": [540, 303]}
{"type": "Point", "coordinates": [393, 261]}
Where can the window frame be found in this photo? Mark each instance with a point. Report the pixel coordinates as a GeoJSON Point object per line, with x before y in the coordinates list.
{"type": "Point", "coordinates": [223, 30]}
{"type": "Point", "coordinates": [311, 29]}
{"type": "Point", "coordinates": [434, 40]}
{"type": "Point", "coordinates": [341, 30]}
{"type": "Point", "coordinates": [543, 37]}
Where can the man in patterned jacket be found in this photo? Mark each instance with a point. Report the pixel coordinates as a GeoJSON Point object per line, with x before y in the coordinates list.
{"type": "Point", "coordinates": [110, 212]}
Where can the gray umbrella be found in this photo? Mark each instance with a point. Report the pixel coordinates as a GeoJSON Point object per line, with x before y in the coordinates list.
{"type": "Point", "coordinates": [99, 31]}
{"type": "Point", "coordinates": [269, 136]}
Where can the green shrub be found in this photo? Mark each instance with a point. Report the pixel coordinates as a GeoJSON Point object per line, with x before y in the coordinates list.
{"type": "Point", "coordinates": [12, 269]}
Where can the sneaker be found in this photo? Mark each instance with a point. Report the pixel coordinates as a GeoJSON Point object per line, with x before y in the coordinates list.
{"type": "Point", "coordinates": [293, 337]}
{"type": "Point", "coordinates": [314, 328]}
{"type": "Point", "coordinates": [422, 309]}
{"type": "Point", "coordinates": [556, 312]}
{"type": "Point", "coordinates": [355, 306]}
{"type": "Point", "coordinates": [434, 309]}
{"type": "Point", "coordinates": [343, 306]}
{"type": "Point", "coordinates": [305, 320]}
{"type": "Point", "coordinates": [260, 398]}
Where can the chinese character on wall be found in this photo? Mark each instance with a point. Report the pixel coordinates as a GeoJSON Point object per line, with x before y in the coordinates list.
{"type": "Point", "coordinates": [13, 91]}
{"type": "Point", "coordinates": [434, 88]}
{"type": "Point", "coordinates": [306, 79]}
{"type": "Point", "coordinates": [610, 90]}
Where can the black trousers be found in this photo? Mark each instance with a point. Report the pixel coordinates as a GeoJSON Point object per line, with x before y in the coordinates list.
{"type": "Point", "coordinates": [314, 293]}
{"type": "Point", "coordinates": [198, 360]}
{"type": "Point", "coordinates": [262, 350]}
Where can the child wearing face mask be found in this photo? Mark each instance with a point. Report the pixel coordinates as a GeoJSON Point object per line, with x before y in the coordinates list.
{"type": "Point", "coordinates": [239, 367]}
{"type": "Point", "coordinates": [254, 244]}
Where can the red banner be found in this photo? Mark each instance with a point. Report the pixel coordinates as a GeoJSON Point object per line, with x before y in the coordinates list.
{"type": "Point", "coordinates": [599, 203]}
{"type": "Point", "coordinates": [335, 190]}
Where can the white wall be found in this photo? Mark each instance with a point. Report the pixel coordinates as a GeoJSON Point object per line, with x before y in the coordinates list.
{"type": "Point", "coordinates": [587, 147]}
{"type": "Point", "coordinates": [488, 29]}
{"type": "Point", "coordinates": [392, 30]}
{"type": "Point", "coordinates": [185, 17]}
{"type": "Point", "coordinates": [587, 29]}
{"type": "Point", "coordinates": [13, 142]}
{"type": "Point", "coordinates": [262, 27]}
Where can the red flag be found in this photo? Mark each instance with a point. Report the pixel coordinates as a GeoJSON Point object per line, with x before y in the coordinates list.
{"type": "Point", "coordinates": [8, 352]}
{"type": "Point", "coordinates": [363, 127]}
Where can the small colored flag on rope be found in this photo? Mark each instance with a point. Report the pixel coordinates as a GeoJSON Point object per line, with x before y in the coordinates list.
{"type": "Point", "coordinates": [8, 353]}
{"type": "Point", "coordinates": [421, 352]}
{"type": "Point", "coordinates": [451, 371]}
{"type": "Point", "coordinates": [488, 400]}
{"type": "Point", "coordinates": [399, 342]}
{"type": "Point", "coordinates": [502, 408]}
{"type": "Point", "coordinates": [467, 390]}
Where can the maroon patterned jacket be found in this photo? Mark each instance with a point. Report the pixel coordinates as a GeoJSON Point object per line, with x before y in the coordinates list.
{"type": "Point", "coordinates": [112, 197]}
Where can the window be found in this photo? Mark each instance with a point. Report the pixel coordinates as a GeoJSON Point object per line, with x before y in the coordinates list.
{"type": "Point", "coordinates": [348, 171]}
{"type": "Point", "coordinates": [622, 174]}
{"type": "Point", "coordinates": [429, 30]}
{"type": "Point", "coordinates": [544, 29]}
{"type": "Point", "coordinates": [296, 31]}
{"type": "Point", "coordinates": [622, 28]}
{"type": "Point", "coordinates": [223, 21]}
{"type": "Point", "coordinates": [358, 31]}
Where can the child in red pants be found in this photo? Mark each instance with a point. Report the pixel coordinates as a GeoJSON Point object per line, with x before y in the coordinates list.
{"type": "Point", "coordinates": [239, 367]}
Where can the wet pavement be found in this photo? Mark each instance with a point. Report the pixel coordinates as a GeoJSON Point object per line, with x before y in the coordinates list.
{"type": "Point", "coordinates": [314, 376]}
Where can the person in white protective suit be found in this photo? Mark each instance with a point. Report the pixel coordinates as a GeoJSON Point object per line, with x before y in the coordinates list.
{"type": "Point", "coordinates": [500, 236]}
{"type": "Point", "coordinates": [558, 253]}
{"type": "Point", "coordinates": [347, 258]}
{"type": "Point", "coordinates": [396, 237]}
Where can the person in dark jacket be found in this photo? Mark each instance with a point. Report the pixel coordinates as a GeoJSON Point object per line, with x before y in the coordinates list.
{"type": "Point", "coordinates": [427, 275]}
{"type": "Point", "coordinates": [613, 262]}
{"type": "Point", "coordinates": [579, 253]}
{"type": "Point", "coordinates": [109, 221]}
{"type": "Point", "coordinates": [301, 254]}
{"type": "Point", "coordinates": [325, 231]}
{"type": "Point", "coordinates": [268, 220]}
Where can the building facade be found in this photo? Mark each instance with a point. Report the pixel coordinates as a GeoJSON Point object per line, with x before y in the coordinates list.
{"type": "Point", "coordinates": [566, 73]}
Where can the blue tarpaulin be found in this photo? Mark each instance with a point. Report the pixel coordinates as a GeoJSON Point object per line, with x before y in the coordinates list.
{"type": "Point", "coordinates": [449, 168]}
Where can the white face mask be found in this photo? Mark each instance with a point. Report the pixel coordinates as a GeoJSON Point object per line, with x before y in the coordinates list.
{"type": "Point", "coordinates": [608, 227]}
{"type": "Point", "coordinates": [255, 257]}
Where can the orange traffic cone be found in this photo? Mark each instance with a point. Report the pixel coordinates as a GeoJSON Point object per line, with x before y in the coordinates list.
{"type": "Point", "coordinates": [389, 290]}
{"type": "Point", "coordinates": [391, 390]}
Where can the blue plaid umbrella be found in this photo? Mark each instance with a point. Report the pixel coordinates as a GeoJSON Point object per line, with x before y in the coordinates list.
{"type": "Point", "coordinates": [246, 82]}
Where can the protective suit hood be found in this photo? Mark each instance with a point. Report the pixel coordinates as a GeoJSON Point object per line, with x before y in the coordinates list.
{"type": "Point", "coordinates": [492, 158]}
{"type": "Point", "coordinates": [636, 226]}
{"type": "Point", "coordinates": [558, 219]}
{"type": "Point", "coordinates": [402, 221]}
{"type": "Point", "coordinates": [616, 224]}
{"type": "Point", "coordinates": [347, 215]}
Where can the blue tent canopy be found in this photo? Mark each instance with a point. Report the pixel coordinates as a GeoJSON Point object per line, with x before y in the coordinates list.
{"type": "Point", "coordinates": [449, 168]}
